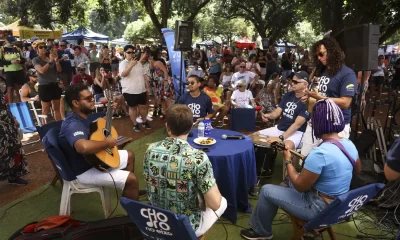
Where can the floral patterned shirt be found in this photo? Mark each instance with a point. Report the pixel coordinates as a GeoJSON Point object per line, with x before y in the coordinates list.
{"type": "Point", "coordinates": [176, 174]}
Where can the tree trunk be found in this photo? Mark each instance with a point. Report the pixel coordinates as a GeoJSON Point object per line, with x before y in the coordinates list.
{"type": "Point", "coordinates": [385, 35]}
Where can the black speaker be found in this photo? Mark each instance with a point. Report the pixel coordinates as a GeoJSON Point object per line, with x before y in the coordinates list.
{"type": "Point", "coordinates": [360, 46]}
{"type": "Point", "coordinates": [183, 35]}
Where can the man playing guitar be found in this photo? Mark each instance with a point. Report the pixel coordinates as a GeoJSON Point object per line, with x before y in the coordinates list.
{"type": "Point", "coordinates": [336, 82]}
{"type": "Point", "coordinates": [74, 135]}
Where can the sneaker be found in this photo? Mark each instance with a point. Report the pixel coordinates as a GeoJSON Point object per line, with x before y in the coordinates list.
{"type": "Point", "coordinates": [146, 125]}
{"type": "Point", "coordinates": [116, 115]}
{"type": "Point", "coordinates": [149, 118]}
{"type": "Point", "coordinates": [252, 235]}
{"type": "Point", "coordinates": [18, 181]}
{"type": "Point", "coordinates": [142, 193]}
{"type": "Point", "coordinates": [139, 120]}
{"type": "Point", "coordinates": [136, 128]}
{"type": "Point", "coordinates": [254, 191]}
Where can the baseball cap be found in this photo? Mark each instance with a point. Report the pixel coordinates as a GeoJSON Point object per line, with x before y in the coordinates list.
{"type": "Point", "coordinates": [302, 76]}
{"type": "Point", "coordinates": [11, 39]}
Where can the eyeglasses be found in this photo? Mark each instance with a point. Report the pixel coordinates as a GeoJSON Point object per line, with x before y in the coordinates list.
{"type": "Point", "coordinates": [88, 98]}
{"type": "Point", "coordinates": [41, 47]}
{"type": "Point", "coordinates": [190, 83]}
{"type": "Point", "coordinates": [129, 52]}
{"type": "Point", "coordinates": [81, 69]}
{"type": "Point", "coordinates": [34, 76]}
{"type": "Point", "coordinates": [321, 54]}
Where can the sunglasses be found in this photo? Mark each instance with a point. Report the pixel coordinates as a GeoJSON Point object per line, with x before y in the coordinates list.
{"type": "Point", "coordinates": [129, 52]}
{"type": "Point", "coordinates": [88, 98]}
{"type": "Point", "coordinates": [321, 54]}
{"type": "Point", "coordinates": [34, 76]}
{"type": "Point", "coordinates": [190, 83]}
{"type": "Point", "coordinates": [41, 47]}
{"type": "Point", "coordinates": [81, 69]}
{"type": "Point", "coordinates": [239, 86]}
{"type": "Point", "coordinates": [242, 66]}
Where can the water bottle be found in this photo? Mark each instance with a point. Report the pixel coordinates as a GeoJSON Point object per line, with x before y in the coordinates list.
{"type": "Point", "coordinates": [201, 129]}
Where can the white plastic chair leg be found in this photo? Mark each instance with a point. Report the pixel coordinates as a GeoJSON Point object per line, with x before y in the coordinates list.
{"type": "Point", "coordinates": [105, 201]}
{"type": "Point", "coordinates": [65, 205]}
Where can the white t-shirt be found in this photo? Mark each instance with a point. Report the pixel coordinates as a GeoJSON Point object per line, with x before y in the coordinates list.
{"type": "Point", "coordinates": [380, 72]}
{"type": "Point", "coordinates": [246, 76]}
{"type": "Point", "coordinates": [199, 73]}
{"type": "Point", "coordinates": [242, 98]}
{"type": "Point", "coordinates": [134, 82]}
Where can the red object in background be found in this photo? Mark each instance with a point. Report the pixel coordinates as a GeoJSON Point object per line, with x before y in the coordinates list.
{"type": "Point", "coordinates": [245, 43]}
{"type": "Point", "coordinates": [258, 108]}
{"type": "Point", "coordinates": [6, 98]}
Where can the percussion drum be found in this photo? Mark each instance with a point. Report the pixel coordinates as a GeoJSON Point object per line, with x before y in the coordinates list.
{"type": "Point", "coordinates": [265, 155]}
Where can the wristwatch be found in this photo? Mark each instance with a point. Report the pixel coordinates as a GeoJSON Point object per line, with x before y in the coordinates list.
{"type": "Point", "coordinates": [281, 138]}
{"type": "Point", "coordinates": [288, 162]}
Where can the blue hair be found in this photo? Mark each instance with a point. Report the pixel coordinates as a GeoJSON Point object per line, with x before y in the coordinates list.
{"type": "Point", "coordinates": [327, 117]}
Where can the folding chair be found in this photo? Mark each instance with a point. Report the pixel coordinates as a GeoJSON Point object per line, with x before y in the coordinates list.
{"type": "Point", "coordinates": [38, 117]}
{"type": "Point", "coordinates": [71, 184]}
{"type": "Point", "coordinates": [21, 112]}
{"type": "Point", "coordinates": [158, 223]}
{"type": "Point", "coordinates": [337, 211]}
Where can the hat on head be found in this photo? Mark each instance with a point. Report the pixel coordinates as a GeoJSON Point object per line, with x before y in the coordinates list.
{"type": "Point", "coordinates": [38, 42]}
{"type": "Point", "coordinates": [11, 39]}
{"type": "Point", "coordinates": [240, 82]}
{"type": "Point", "coordinates": [34, 39]}
{"type": "Point", "coordinates": [31, 72]}
{"type": "Point", "coordinates": [82, 65]}
{"type": "Point", "coordinates": [302, 76]}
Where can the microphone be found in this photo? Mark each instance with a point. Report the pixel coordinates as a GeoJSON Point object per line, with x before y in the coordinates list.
{"type": "Point", "coordinates": [224, 136]}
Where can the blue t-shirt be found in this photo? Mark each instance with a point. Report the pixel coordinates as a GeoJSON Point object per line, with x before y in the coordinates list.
{"type": "Point", "coordinates": [216, 68]}
{"type": "Point", "coordinates": [342, 84]}
{"type": "Point", "coordinates": [393, 160]}
{"type": "Point", "coordinates": [200, 106]}
{"type": "Point", "coordinates": [73, 128]}
{"type": "Point", "coordinates": [292, 107]}
{"type": "Point", "coordinates": [334, 168]}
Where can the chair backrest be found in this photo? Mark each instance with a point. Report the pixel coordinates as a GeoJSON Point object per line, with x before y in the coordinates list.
{"type": "Point", "coordinates": [344, 206]}
{"type": "Point", "coordinates": [50, 142]}
{"type": "Point", "coordinates": [21, 112]}
{"type": "Point", "coordinates": [42, 130]}
{"type": "Point", "coordinates": [243, 119]}
{"type": "Point", "coordinates": [157, 223]}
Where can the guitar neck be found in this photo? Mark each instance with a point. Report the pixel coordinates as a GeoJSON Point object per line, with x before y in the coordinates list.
{"type": "Point", "coordinates": [109, 113]}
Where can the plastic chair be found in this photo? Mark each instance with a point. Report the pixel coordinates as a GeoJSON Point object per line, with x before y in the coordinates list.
{"type": "Point", "coordinates": [337, 211]}
{"type": "Point", "coordinates": [71, 184]}
{"type": "Point", "coordinates": [35, 110]}
{"type": "Point", "coordinates": [243, 119]}
{"type": "Point", "coordinates": [158, 223]}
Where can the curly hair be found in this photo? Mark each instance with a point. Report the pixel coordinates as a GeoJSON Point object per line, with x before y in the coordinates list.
{"type": "Point", "coordinates": [335, 56]}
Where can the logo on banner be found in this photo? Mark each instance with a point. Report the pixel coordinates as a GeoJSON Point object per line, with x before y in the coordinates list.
{"type": "Point", "coordinates": [157, 221]}
{"type": "Point", "coordinates": [354, 206]}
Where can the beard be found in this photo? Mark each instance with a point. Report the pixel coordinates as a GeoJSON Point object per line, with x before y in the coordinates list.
{"type": "Point", "coordinates": [86, 110]}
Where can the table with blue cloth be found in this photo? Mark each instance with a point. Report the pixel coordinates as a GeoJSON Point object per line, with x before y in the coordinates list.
{"type": "Point", "coordinates": [234, 166]}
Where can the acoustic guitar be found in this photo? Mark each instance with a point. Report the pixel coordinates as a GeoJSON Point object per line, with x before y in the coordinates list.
{"type": "Point", "coordinates": [281, 147]}
{"type": "Point", "coordinates": [100, 129]}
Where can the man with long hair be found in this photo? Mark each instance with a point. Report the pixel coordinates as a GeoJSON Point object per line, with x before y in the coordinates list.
{"type": "Point", "coordinates": [336, 82]}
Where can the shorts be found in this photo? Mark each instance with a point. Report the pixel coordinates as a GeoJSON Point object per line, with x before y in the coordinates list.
{"type": "Point", "coordinates": [94, 66]}
{"type": "Point", "coordinates": [135, 99]}
{"type": "Point", "coordinates": [209, 217]}
{"type": "Point", "coordinates": [275, 132]}
{"type": "Point", "coordinates": [49, 92]}
{"type": "Point", "coordinates": [15, 78]}
{"type": "Point", "coordinates": [378, 80]}
{"type": "Point", "coordinates": [309, 143]}
{"type": "Point", "coordinates": [99, 178]}
{"type": "Point", "coordinates": [114, 67]}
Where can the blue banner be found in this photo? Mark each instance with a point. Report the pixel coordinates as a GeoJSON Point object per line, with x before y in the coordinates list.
{"type": "Point", "coordinates": [176, 60]}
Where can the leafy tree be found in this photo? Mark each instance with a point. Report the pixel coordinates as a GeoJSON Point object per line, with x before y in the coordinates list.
{"type": "Point", "coordinates": [270, 18]}
{"type": "Point", "coordinates": [140, 29]}
{"type": "Point", "coordinates": [303, 35]}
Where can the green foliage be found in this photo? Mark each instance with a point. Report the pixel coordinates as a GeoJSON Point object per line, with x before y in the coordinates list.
{"type": "Point", "coordinates": [140, 29]}
{"type": "Point", "coordinates": [303, 35]}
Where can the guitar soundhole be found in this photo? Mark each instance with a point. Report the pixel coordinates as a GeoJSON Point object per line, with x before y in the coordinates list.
{"type": "Point", "coordinates": [106, 132]}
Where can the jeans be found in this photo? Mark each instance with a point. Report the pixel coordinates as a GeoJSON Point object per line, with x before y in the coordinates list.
{"type": "Point", "coordinates": [285, 74]}
{"type": "Point", "coordinates": [302, 205]}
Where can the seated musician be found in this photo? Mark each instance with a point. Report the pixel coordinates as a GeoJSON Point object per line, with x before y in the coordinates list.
{"type": "Point", "coordinates": [294, 115]}
{"type": "Point", "coordinates": [327, 173]}
{"type": "Point", "coordinates": [74, 139]}
{"type": "Point", "coordinates": [178, 175]}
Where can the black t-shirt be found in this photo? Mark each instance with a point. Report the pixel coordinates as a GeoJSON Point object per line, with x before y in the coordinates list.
{"type": "Point", "coordinates": [396, 76]}
{"type": "Point", "coordinates": [286, 65]}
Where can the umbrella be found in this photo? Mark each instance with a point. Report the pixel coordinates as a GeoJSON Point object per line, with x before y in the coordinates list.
{"type": "Point", "coordinates": [83, 33]}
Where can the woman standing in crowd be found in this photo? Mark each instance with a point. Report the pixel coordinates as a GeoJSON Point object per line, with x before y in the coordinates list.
{"type": "Point", "coordinates": [49, 86]}
{"type": "Point", "coordinates": [160, 73]}
{"type": "Point", "coordinates": [262, 62]}
{"type": "Point", "coordinates": [252, 65]}
{"type": "Point", "coordinates": [115, 58]}
{"type": "Point", "coordinates": [105, 59]}
{"type": "Point", "coordinates": [94, 59]}
{"type": "Point", "coordinates": [305, 61]}
{"type": "Point", "coordinates": [99, 84]}
{"type": "Point", "coordinates": [12, 157]}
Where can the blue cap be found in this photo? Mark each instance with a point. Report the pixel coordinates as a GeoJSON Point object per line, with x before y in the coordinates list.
{"type": "Point", "coordinates": [11, 39]}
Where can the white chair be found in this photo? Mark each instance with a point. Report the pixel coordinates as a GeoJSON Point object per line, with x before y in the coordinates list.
{"type": "Point", "coordinates": [71, 187]}
{"type": "Point", "coordinates": [70, 182]}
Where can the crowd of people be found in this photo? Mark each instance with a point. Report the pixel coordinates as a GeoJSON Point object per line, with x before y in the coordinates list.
{"type": "Point", "coordinates": [219, 81]}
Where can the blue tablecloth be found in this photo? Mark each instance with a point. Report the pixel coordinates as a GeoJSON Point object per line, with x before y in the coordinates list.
{"type": "Point", "coordinates": [234, 166]}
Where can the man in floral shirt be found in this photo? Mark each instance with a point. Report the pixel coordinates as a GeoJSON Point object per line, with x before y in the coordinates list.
{"type": "Point", "coordinates": [179, 177]}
